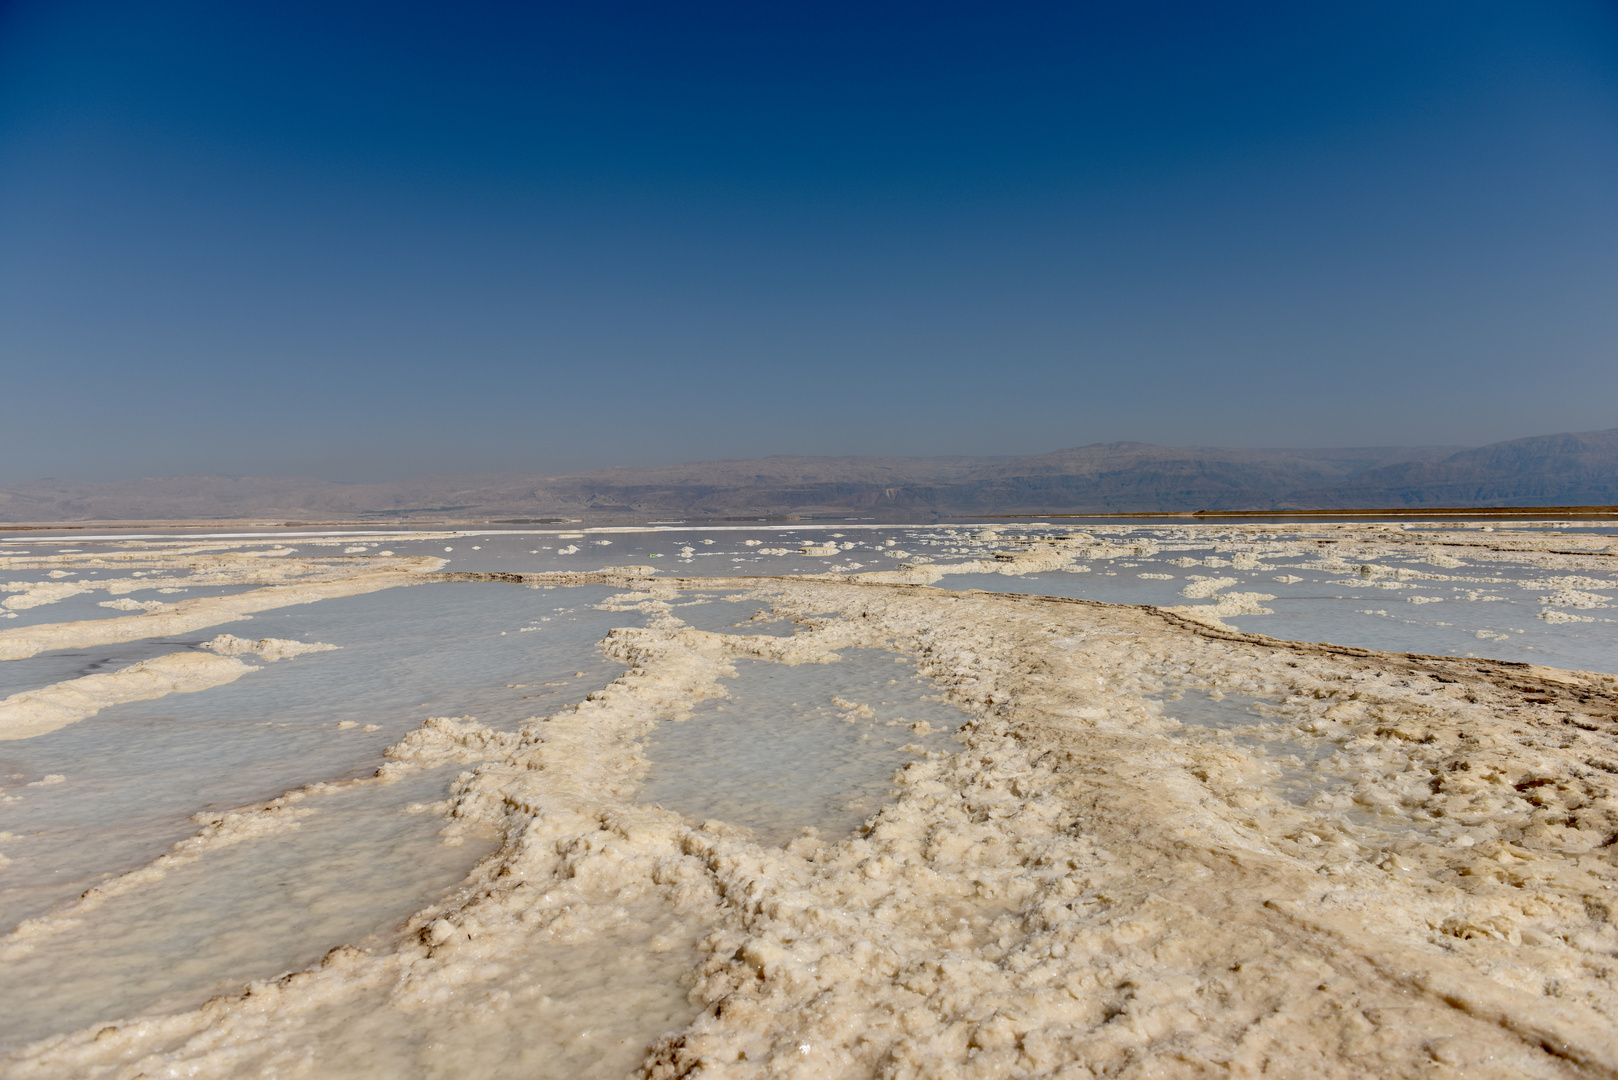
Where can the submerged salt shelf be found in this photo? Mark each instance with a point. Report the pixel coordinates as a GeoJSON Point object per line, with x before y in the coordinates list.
{"type": "Point", "coordinates": [811, 747]}
{"type": "Point", "coordinates": [37, 672]}
{"type": "Point", "coordinates": [128, 779]}
{"type": "Point", "coordinates": [100, 604]}
{"type": "Point", "coordinates": [806, 807]}
{"type": "Point", "coordinates": [1453, 598]}
{"type": "Point", "coordinates": [349, 864]}
{"type": "Point", "coordinates": [1312, 571]}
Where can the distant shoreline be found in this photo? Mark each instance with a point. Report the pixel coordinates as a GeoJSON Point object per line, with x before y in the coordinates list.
{"type": "Point", "coordinates": [1444, 511]}
{"type": "Point", "coordinates": [1539, 513]}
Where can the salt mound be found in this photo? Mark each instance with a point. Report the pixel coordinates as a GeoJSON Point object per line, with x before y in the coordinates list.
{"type": "Point", "coordinates": [265, 648]}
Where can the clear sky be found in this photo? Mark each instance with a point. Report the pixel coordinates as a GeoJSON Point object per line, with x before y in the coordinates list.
{"type": "Point", "coordinates": [370, 241]}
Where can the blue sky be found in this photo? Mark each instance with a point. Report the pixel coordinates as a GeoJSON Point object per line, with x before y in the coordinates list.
{"type": "Point", "coordinates": [371, 241]}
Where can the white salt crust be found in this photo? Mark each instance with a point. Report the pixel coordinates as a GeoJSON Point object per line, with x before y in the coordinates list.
{"type": "Point", "coordinates": [35, 712]}
{"type": "Point", "coordinates": [172, 566]}
{"type": "Point", "coordinates": [1404, 866]}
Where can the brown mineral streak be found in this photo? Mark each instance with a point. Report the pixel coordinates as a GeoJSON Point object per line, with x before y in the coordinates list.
{"type": "Point", "coordinates": [1087, 888]}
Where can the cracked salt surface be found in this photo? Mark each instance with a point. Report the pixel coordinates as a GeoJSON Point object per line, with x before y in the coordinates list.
{"type": "Point", "coordinates": [805, 747]}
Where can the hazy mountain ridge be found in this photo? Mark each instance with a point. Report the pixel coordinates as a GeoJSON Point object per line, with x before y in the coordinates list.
{"type": "Point", "coordinates": [1124, 477]}
{"type": "Point", "coordinates": [1553, 470]}
{"type": "Point", "coordinates": [1574, 469]}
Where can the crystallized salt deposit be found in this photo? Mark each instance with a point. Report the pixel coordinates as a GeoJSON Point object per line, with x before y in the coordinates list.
{"type": "Point", "coordinates": [36, 712]}
{"type": "Point", "coordinates": [187, 615]}
{"type": "Point", "coordinates": [264, 648]}
{"type": "Point", "coordinates": [1157, 844]}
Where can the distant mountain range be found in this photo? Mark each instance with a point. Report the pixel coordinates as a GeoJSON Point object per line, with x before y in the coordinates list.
{"type": "Point", "coordinates": [1578, 469]}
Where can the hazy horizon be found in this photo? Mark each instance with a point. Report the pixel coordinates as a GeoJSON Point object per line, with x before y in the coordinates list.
{"type": "Point", "coordinates": [986, 457]}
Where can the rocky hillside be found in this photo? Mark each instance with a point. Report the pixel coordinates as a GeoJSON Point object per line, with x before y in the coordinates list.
{"type": "Point", "coordinates": [1552, 470]}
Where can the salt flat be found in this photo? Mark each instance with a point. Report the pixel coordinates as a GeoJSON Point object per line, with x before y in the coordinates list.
{"type": "Point", "coordinates": [857, 801]}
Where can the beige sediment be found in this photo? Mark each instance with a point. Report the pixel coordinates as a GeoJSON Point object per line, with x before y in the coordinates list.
{"type": "Point", "coordinates": [1087, 888]}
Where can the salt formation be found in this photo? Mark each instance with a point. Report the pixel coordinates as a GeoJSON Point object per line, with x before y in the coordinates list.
{"type": "Point", "coordinates": [286, 582]}
{"type": "Point", "coordinates": [265, 648]}
{"type": "Point", "coordinates": [35, 712]}
{"type": "Point", "coordinates": [1395, 865]}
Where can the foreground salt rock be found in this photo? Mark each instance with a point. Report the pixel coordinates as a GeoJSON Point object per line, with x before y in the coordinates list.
{"type": "Point", "coordinates": [1419, 880]}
